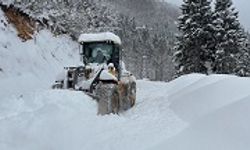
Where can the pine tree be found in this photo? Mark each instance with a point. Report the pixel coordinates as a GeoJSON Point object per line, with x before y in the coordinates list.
{"type": "Point", "coordinates": [243, 57]}
{"type": "Point", "coordinates": [230, 38]}
{"type": "Point", "coordinates": [195, 44]}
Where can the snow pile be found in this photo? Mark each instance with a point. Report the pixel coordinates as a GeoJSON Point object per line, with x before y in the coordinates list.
{"type": "Point", "coordinates": [216, 109]}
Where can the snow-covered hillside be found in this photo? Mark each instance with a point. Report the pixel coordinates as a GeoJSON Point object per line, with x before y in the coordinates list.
{"type": "Point", "coordinates": [37, 60]}
{"type": "Point", "coordinates": [193, 112]}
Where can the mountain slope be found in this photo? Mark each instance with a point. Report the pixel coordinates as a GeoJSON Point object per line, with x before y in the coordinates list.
{"type": "Point", "coordinates": [38, 60]}
{"type": "Point", "coordinates": [147, 12]}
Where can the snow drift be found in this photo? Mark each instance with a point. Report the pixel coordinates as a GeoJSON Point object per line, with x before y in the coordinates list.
{"type": "Point", "coordinates": [215, 107]}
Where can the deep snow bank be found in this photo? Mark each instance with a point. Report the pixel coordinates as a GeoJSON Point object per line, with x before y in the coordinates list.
{"type": "Point", "coordinates": [206, 94]}
{"type": "Point", "coordinates": [227, 128]}
{"type": "Point", "coordinates": [216, 109]}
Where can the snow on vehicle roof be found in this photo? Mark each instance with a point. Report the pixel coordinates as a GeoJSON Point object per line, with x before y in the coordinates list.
{"type": "Point", "coordinates": [99, 37]}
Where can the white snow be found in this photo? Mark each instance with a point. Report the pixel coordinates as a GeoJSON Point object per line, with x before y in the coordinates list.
{"type": "Point", "coordinates": [216, 109]}
{"type": "Point", "coordinates": [193, 112]}
{"type": "Point", "coordinates": [105, 75]}
{"type": "Point", "coordinates": [62, 120]}
{"type": "Point", "coordinates": [100, 37]}
{"type": "Point", "coordinates": [7, 2]}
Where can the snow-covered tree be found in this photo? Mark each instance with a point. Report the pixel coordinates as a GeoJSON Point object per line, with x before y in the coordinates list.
{"type": "Point", "coordinates": [147, 49]}
{"type": "Point", "coordinates": [195, 44]}
{"type": "Point", "coordinates": [71, 16]}
{"type": "Point", "coordinates": [243, 57]}
{"type": "Point", "coordinates": [231, 53]}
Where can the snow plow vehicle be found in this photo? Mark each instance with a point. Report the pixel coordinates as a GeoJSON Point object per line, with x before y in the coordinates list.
{"type": "Point", "coordinates": [102, 74]}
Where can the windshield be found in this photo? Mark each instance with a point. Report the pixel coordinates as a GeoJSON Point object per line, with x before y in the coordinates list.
{"type": "Point", "coordinates": [99, 52]}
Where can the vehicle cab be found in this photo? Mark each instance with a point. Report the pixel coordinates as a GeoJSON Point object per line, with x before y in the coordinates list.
{"type": "Point", "coordinates": [100, 48]}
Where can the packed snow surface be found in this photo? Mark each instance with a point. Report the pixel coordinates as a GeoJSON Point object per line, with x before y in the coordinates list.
{"type": "Point", "coordinates": [193, 112]}
{"type": "Point", "coordinates": [100, 37]}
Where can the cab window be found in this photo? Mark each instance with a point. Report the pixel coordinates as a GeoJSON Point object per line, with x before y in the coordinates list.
{"type": "Point", "coordinates": [98, 52]}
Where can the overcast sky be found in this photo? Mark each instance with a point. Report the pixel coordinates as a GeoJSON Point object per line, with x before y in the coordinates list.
{"type": "Point", "coordinates": [243, 6]}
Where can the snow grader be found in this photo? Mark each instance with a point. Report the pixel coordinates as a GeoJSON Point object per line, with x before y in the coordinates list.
{"type": "Point", "coordinates": [102, 74]}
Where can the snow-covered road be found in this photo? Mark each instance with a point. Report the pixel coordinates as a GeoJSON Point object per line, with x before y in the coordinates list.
{"type": "Point", "coordinates": [192, 112]}
{"type": "Point", "coordinates": [63, 120]}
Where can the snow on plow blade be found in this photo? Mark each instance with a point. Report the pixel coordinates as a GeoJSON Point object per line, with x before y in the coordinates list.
{"type": "Point", "coordinates": [115, 98]}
